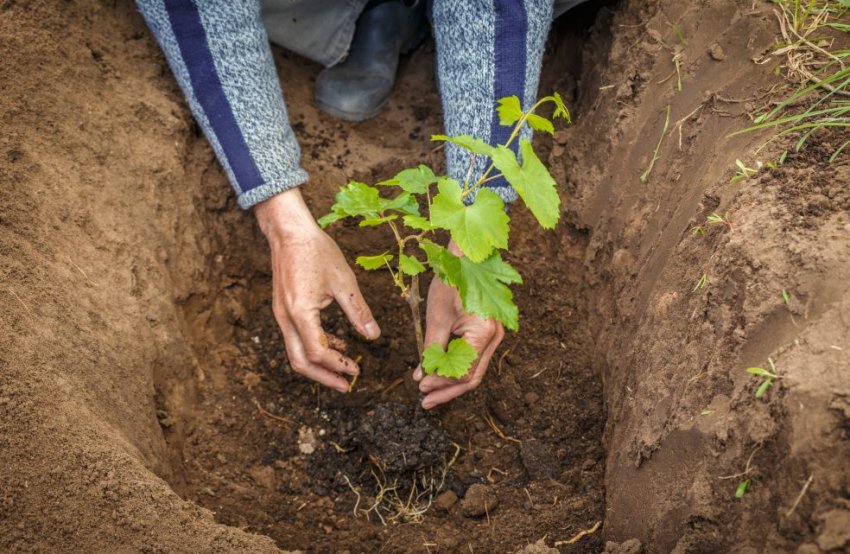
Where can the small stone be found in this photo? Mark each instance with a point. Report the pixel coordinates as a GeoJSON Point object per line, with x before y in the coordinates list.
{"type": "Point", "coordinates": [808, 548]}
{"type": "Point", "coordinates": [478, 501]}
{"type": "Point", "coordinates": [221, 458]}
{"type": "Point", "coordinates": [250, 379]}
{"type": "Point", "coordinates": [306, 441]}
{"type": "Point", "coordinates": [531, 398]}
{"type": "Point", "coordinates": [716, 52]}
{"type": "Point", "coordinates": [445, 501]}
{"type": "Point", "coordinates": [539, 548]}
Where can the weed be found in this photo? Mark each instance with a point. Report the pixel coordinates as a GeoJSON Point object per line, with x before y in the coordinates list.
{"type": "Point", "coordinates": [702, 282]}
{"type": "Point", "coordinates": [474, 216]}
{"type": "Point", "coordinates": [745, 172]}
{"type": "Point", "coordinates": [767, 377]}
{"type": "Point", "coordinates": [655, 154]}
{"type": "Point", "coordinates": [742, 488]}
{"type": "Point", "coordinates": [821, 75]}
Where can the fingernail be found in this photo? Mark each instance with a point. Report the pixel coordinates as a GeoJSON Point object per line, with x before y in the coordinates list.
{"type": "Point", "coordinates": [372, 330]}
{"type": "Point", "coordinates": [342, 388]}
{"type": "Point", "coordinates": [417, 373]}
{"type": "Point", "coordinates": [427, 404]}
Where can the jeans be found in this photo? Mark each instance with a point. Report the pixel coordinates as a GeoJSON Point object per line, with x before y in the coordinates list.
{"type": "Point", "coordinates": [322, 30]}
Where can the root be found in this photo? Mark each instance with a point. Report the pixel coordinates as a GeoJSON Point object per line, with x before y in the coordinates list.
{"type": "Point", "coordinates": [271, 415]}
{"type": "Point", "coordinates": [489, 419]}
{"type": "Point", "coordinates": [580, 535]}
{"type": "Point", "coordinates": [393, 503]}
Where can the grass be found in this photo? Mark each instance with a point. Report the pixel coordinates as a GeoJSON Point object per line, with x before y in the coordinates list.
{"type": "Point", "coordinates": [656, 154]}
{"type": "Point", "coordinates": [816, 66]}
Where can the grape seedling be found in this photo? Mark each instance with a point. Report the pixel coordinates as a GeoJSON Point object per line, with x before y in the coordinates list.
{"type": "Point", "coordinates": [473, 215]}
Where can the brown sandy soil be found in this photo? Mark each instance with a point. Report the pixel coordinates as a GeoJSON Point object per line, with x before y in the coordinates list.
{"type": "Point", "coordinates": [146, 404]}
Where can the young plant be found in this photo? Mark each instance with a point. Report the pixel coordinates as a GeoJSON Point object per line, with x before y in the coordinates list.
{"type": "Point", "coordinates": [702, 282]}
{"type": "Point", "coordinates": [474, 217]}
{"type": "Point", "coordinates": [767, 377]}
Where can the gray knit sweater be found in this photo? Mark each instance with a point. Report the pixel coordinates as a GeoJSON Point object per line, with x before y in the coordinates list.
{"type": "Point", "coordinates": [219, 53]}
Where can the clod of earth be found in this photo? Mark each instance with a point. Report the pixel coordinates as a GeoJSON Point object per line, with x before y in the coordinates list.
{"type": "Point", "coordinates": [479, 500]}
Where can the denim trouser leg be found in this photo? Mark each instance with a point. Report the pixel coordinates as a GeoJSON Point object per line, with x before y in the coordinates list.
{"type": "Point", "coordinates": [320, 30]}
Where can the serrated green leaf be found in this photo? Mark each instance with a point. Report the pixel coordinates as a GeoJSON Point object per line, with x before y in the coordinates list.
{"type": "Point", "coordinates": [760, 371]}
{"type": "Point", "coordinates": [358, 199]}
{"type": "Point", "coordinates": [540, 123]}
{"type": "Point", "coordinates": [560, 108]}
{"type": "Point", "coordinates": [374, 262]}
{"type": "Point", "coordinates": [415, 180]}
{"type": "Point", "coordinates": [417, 222]}
{"type": "Point", "coordinates": [483, 287]}
{"type": "Point", "coordinates": [405, 203]}
{"type": "Point", "coordinates": [479, 228]}
{"type": "Point", "coordinates": [375, 221]}
{"type": "Point", "coordinates": [742, 488]}
{"type": "Point", "coordinates": [410, 265]}
{"type": "Point", "coordinates": [468, 143]}
{"type": "Point", "coordinates": [763, 388]}
{"type": "Point", "coordinates": [454, 362]}
{"type": "Point", "coordinates": [532, 182]}
{"type": "Point", "coordinates": [509, 110]}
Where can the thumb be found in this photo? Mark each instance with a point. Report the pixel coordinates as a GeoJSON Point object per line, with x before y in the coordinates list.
{"type": "Point", "coordinates": [358, 312]}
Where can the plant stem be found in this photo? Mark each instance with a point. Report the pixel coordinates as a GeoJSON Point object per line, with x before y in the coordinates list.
{"type": "Point", "coordinates": [414, 300]}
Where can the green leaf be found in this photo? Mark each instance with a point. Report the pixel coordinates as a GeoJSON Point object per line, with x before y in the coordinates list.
{"type": "Point", "coordinates": [484, 291]}
{"type": "Point", "coordinates": [374, 262]}
{"type": "Point", "coordinates": [532, 182]}
{"type": "Point", "coordinates": [483, 287]}
{"type": "Point", "coordinates": [540, 123]}
{"type": "Point", "coordinates": [410, 265]}
{"type": "Point", "coordinates": [479, 228]}
{"type": "Point", "coordinates": [374, 221]}
{"type": "Point", "coordinates": [453, 362]}
{"type": "Point", "coordinates": [760, 372]}
{"type": "Point", "coordinates": [560, 108]}
{"type": "Point", "coordinates": [405, 203]}
{"type": "Point", "coordinates": [417, 222]}
{"type": "Point", "coordinates": [415, 181]}
{"type": "Point", "coordinates": [763, 388]}
{"type": "Point", "coordinates": [742, 488]}
{"type": "Point", "coordinates": [358, 199]}
{"type": "Point", "coordinates": [327, 219]}
{"type": "Point", "coordinates": [509, 110]}
{"type": "Point", "coordinates": [467, 142]}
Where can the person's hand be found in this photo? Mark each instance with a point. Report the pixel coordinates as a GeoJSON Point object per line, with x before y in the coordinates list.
{"type": "Point", "coordinates": [308, 273]}
{"type": "Point", "coordinates": [445, 317]}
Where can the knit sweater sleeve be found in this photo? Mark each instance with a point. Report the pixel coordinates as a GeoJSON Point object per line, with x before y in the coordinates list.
{"type": "Point", "coordinates": [220, 55]}
{"type": "Point", "coordinates": [486, 50]}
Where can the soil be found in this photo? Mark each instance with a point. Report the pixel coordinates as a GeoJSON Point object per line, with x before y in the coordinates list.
{"type": "Point", "coordinates": [146, 403]}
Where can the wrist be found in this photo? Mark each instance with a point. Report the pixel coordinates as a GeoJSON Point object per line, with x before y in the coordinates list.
{"type": "Point", "coordinates": [285, 215]}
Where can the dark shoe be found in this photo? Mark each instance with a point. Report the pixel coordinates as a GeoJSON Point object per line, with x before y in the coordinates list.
{"type": "Point", "coordinates": [360, 87]}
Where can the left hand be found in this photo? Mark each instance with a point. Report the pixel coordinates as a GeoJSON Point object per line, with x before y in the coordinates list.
{"type": "Point", "coordinates": [445, 317]}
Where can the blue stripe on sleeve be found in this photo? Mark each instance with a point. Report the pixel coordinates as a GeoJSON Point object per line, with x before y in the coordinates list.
{"type": "Point", "coordinates": [511, 31]}
{"type": "Point", "coordinates": [192, 40]}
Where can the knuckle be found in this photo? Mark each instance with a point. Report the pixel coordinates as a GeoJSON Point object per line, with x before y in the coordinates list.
{"type": "Point", "coordinates": [314, 353]}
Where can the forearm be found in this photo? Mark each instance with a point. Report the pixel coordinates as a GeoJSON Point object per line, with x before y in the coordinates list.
{"type": "Point", "coordinates": [220, 56]}
{"type": "Point", "coordinates": [486, 50]}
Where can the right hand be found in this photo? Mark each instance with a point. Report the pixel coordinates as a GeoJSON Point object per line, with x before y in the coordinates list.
{"type": "Point", "coordinates": [309, 272]}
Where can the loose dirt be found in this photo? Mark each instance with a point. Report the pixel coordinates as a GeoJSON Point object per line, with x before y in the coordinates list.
{"type": "Point", "coordinates": [146, 403]}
